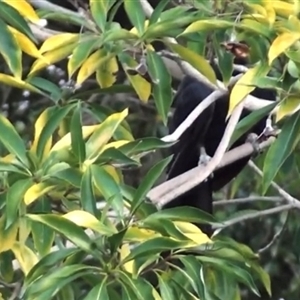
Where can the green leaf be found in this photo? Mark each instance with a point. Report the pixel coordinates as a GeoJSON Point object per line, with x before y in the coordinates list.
{"type": "Point", "coordinates": [148, 182]}
{"type": "Point", "coordinates": [246, 123]}
{"type": "Point", "coordinates": [15, 19]}
{"type": "Point", "coordinates": [47, 262]}
{"type": "Point", "coordinates": [281, 149]}
{"type": "Point", "coordinates": [157, 11]}
{"type": "Point", "coordinates": [185, 214]}
{"type": "Point", "coordinates": [57, 115]}
{"type": "Point", "coordinates": [162, 90]}
{"type": "Point", "coordinates": [98, 292]}
{"type": "Point", "coordinates": [70, 230]}
{"type": "Point", "coordinates": [113, 155]}
{"type": "Point", "coordinates": [78, 145]}
{"type": "Point", "coordinates": [87, 197]}
{"type": "Point", "coordinates": [135, 14]}
{"type": "Point", "coordinates": [165, 289]}
{"type": "Point", "coordinates": [104, 133]}
{"type": "Point", "coordinates": [14, 144]}
{"type": "Point", "coordinates": [11, 168]}
{"type": "Point", "coordinates": [153, 246]}
{"type": "Point", "coordinates": [192, 267]}
{"type": "Point", "coordinates": [42, 235]}
{"type": "Point", "coordinates": [130, 283]}
{"type": "Point", "coordinates": [46, 85]}
{"type": "Point", "coordinates": [80, 54]}
{"type": "Point", "coordinates": [69, 175]}
{"type": "Point", "coordinates": [10, 50]}
{"type": "Point", "coordinates": [99, 9]}
{"type": "Point", "coordinates": [14, 198]}
{"type": "Point", "coordinates": [144, 145]}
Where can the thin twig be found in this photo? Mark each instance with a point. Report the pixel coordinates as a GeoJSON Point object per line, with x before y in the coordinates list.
{"type": "Point", "coordinates": [247, 200]}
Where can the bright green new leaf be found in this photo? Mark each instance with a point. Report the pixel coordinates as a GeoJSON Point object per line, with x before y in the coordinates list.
{"type": "Point", "coordinates": [281, 44]}
{"type": "Point", "coordinates": [135, 14]}
{"type": "Point", "coordinates": [10, 50]}
{"type": "Point", "coordinates": [14, 144]}
{"type": "Point", "coordinates": [63, 226]}
{"type": "Point", "coordinates": [161, 84]}
{"type": "Point", "coordinates": [281, 149]}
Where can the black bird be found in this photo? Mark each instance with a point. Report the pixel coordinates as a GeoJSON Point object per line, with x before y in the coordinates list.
{"type": "Point", "coordinates": [207, 132]}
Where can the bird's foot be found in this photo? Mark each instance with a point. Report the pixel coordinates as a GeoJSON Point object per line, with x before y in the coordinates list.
{"type": "Point", "coordinates": [269, 131]}
{"type": "Point", "coordinates": [204, 158]}
{"type": "Point", "coordinates": [253, 139]}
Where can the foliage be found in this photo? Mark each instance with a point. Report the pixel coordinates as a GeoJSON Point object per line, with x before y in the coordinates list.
{"type": "Point", "coordinates": [70, 226]}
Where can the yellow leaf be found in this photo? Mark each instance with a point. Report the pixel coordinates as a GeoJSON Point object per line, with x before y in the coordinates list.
{"type": "Point", "coordinates": [52, 57]}
{"type": "Point", "coordinates": [124, 252]}
{"type": "Point", "coordinates": [140, 85]}
{"type": "Point", "coordinates": [287, 107]}
{"type": "Point", "coordinates": [25, 9]}
{"type": "Point", "coordinates": [113, 172]}
{"type": "Point", "coordinates": [18, 83]}
{"type": "Point", "coordinates": [58, 41]}
{"type": "Point", "coordinates": [115, 144]}
{"type": "Point", "coordinates": [282, 8]}
{"type": "Point", "coordinates": [38, 127]}
{"type": "Point", "coordinates": [7, 236]}
{"type": "Point", "coordinates": [104, 133]}
{"type": "Point", "coordinates": [90, 66]}
{"type": "Point", "coordinates": [281, 44]}
{"type": "Point", "coordinates": [136, 234]}
{"type": "Point", "coordinates": [196, 60]}
{"type": "Point", "coordinates": [87, 220]}
{"type": "Point", "coordinates": [244, 86]}
{"type": "Point", "coordinates": [106, 74]}
{"type": "Point", "coordinates": [25, 43]}
{"type": "Point", "coordinates": [37, 190]}
{"type": "Point", "coordinates": [65, 141]}
{"type": "Point", "coordinates": [25, 256]}
{"type": "Point", "coordinates": [204, 25]}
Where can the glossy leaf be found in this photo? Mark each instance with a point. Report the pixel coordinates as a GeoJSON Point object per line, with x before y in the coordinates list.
{"type": "Point", "coordinates": [63, 226]}
{"type": "Point", "coordinates": [205, 25]}
{"type": "Point", "coordinates": [281, 149]}
{"type": "Point", "coordinates": [37, 190]}
{"type": "Point", "coordinates": [99, 9]}
{"type": "Point", "coordinates": [98, 292]}
{"type": "Point", "coordinates": [155, 16]}
{"type": "Point", "coordinates": [10, 50]}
